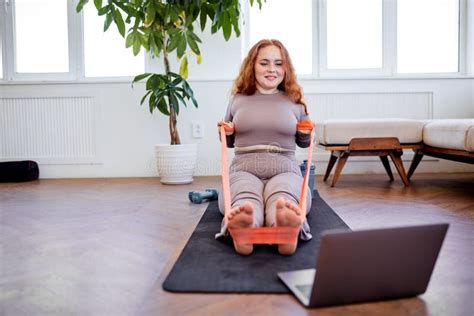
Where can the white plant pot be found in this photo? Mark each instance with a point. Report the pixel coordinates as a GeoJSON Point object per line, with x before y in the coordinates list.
{"type": "Point", "coordinates": [176, 163]}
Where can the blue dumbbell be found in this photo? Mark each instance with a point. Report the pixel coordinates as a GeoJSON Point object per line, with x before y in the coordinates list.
{"type": "Point", "coordinates": [198, 197]}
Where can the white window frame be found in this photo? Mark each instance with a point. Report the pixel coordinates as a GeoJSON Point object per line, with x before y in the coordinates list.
{"type": "Point", "coordinates": [10, 51]}
{"type": "Point", "coordinates": [2, 39]}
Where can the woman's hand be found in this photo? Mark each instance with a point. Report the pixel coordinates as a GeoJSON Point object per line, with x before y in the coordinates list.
{"type": "Point", "coordinates": [228, 127]}
{"type": "Point", "coordinates": [305, 127]}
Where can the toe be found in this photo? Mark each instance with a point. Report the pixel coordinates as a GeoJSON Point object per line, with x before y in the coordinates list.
{"type": "Point", "coordinates": [280, 204]}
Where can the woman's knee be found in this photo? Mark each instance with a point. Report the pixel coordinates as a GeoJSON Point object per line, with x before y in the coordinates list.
{"type": "Point", "coordinates": [284, 184]}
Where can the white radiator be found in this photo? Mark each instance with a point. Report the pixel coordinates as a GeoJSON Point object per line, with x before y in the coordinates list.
{"type": "Point", "coordinates": [50, 130]}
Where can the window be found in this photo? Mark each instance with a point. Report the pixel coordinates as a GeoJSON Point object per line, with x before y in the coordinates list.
{"type": "Point", "coordinates": [361, 38]}
{"type": "Point", "coordinates": [354, 34]}
{"type": "Point", "coordinates": [41, 36]}
{"type": "Point", "coordinates": [353, 38]}
{"type": "Point", "coordinates": [48, 40]}
{"type": "Point", "coordinates": [282, 19]}
{"type": "Point", "coordinates": [427, 38]}
{"type": "Point", "coordinates": [105, 54]}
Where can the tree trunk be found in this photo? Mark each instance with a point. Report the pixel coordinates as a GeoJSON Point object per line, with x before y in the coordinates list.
{"type": "Point", "coordinates": [173, 117]}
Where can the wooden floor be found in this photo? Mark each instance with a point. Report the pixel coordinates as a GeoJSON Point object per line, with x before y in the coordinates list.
{"type": "Point", "coordinates": [104, 246]}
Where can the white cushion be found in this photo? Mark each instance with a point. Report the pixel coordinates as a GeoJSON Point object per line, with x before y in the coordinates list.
{"type": "Point", "coordinates": [450, 133]}
{"type": "Point", "coordinates": [342, 131]}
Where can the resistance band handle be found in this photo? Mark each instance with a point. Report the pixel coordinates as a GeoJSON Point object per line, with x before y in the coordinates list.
{"type": "Point", "coordinates": [304, 186]}
{"type": "Point", "coordinates": [306, 124]}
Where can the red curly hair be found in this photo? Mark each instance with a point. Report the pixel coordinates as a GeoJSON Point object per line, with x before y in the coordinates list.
{"type": "Point", "coordinates": [246, 83]}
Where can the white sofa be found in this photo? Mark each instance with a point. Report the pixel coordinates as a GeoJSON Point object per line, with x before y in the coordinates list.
{"type": "Point", "coordinates": [445, 138]}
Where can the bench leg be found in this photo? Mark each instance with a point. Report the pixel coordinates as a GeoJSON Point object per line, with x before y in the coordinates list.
{"type": "Point", "coordinates": [340, 164]}
{"type": "Point", "coordinates": [399, 165]}
{"type": "Point", "coordinates": [414, 163]}
{"type": "Point", "coordinates": [331, 163]}
{"type": "Point", "coordinates": [386, 164]}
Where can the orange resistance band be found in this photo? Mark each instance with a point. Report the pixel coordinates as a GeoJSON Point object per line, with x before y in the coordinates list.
{"type": "Point", "coordinates": [264, 235]}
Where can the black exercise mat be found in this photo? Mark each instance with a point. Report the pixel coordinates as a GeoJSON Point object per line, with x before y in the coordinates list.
{"type": "Point", "coordinates": [209, 265]}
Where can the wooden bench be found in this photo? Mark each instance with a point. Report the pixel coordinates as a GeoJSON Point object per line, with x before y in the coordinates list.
{"type": "Point", "coordinates": [377, 146]}
{"type": "Point", "coordinates": [369, 137]}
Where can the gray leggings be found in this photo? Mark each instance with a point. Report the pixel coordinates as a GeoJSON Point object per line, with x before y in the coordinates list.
{"type": "Point", "coordinates": [262, 178]}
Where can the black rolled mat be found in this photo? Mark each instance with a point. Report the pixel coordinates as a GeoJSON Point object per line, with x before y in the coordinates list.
{"type": "Point", "coordinates": [209, 265]}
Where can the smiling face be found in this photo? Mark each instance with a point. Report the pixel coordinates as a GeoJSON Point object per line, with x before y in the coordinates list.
{"type": "Point", "coordinates": [269, 71]}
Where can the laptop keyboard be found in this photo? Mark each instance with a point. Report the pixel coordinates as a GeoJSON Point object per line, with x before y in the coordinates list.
{"type": "Point", "coordinates": [305, 289]}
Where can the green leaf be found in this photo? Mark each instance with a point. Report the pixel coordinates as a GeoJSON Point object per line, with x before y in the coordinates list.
{"type": "Point", "coordinates": [181, 99]}
{"type": "Point", "coordinates": [195, 37]}
{"type": "Point", "coordinates": [153, 48]}
{"type": "Point", "coordinates": [98, 4]}
{"type": "Point", "coordinates": [130, 39]}
{"type": "Point", "coordinates": [119, 22]}
{"type": "Point", "coordinates": [103, 10]}
{"type": "Point", "coordinates": [163, 107]}
{"type": "Point", "coordinates": [214, 28]}
{"type": "Point", "coordinates": [226, 26]}
{"type": "Point", "coordinates": [150, 14]}
{"type": "Point", "coordinates": [194, 101]}
{"type": "Point", "coordinates": [182, 91]}
{"type": "Point", "coordinates": [181, 46]}
{"type": "Point", "coordinates": [174, 13]}
{"type": "Point", "coordinates": [174, 40]}
{"type": "Point", "coordinates": [152, 103]}
{"type": "Point", "coordinates": [158, 42]}
{"type": "Point", "coordinates": [192, 43]}
{"type": "Point", "coordinates": [183, 68]}
{"type": "Point", "coordinates": [137, 44]}
{"type": "Point", "coordinates": [141, 77]}
{"type": "Point", "coordinates": [144, 97]}
{"type": "Point", "coordinates": [203, 17]}
{"type": "Point", "coordinates": [144, 41]}
{"type": "Point", "coordinates": [190, 91]}
{"type": "Point", "coordinates": [81, 5]}
{"type": "Point", "coordinates": [108, 20]}
{"type": "Point", "coordinates": [235, 22]}
{"type": "Point", "coordinates": [159, 93]}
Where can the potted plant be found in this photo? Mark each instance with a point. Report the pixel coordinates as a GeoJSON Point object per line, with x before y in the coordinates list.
{"type": "Point", "coordinates": [162, 27]}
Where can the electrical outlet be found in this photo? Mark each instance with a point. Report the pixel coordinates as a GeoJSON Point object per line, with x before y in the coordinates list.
{"type": "Point", "coordinates": [197, 129]}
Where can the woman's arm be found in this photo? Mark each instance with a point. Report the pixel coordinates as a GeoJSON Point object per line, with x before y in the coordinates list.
{"type": "Point", "coordinates": [228, 125]}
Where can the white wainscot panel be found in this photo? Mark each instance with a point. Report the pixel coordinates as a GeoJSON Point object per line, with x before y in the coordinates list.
{"type": "Point", "coordinates": [412, 105]}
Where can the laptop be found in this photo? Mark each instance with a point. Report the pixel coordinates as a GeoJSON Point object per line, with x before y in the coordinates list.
{"type": "Point", "coordinates": [369, 265]}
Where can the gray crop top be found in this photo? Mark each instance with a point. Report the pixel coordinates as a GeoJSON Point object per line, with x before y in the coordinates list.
{"type": "Point", "coordinates": [266, 119]}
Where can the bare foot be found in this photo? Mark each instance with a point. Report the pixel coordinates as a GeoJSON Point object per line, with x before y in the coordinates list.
{"type": "Point", "coordinates": [287, 214]}
{"type": "Point", "coordinates": [242, 217]}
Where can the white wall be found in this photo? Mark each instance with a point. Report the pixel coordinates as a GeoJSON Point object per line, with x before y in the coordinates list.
{"type": "Point", "coordinates": [126, 132]}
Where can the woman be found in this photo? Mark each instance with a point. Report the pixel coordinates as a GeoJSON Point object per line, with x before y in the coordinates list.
{"type": "Point", "coordinates": [261, 125]}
